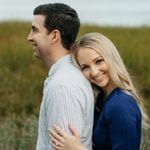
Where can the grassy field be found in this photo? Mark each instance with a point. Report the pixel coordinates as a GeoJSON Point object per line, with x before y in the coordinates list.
{"type": "Point", "coordinates": [22, 76]}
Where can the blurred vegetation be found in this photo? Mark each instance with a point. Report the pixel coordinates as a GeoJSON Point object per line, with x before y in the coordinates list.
{"type": "Point", "coordinates": [22, 77]}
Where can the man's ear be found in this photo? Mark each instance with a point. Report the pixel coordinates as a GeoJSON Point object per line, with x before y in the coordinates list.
{"type": "Point", "coordinates": [55, 36]}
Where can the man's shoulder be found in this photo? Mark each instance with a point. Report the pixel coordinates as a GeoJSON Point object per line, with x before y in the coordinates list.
{"type": "Point", "coordinates": [70, 79]}
{"type": "Point", "coordinates": [69, 69]}
{"type": "Point", "coordinates": [69, 73]}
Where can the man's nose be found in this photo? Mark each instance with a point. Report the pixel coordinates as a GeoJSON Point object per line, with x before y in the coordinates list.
{"type": "Point", "coordinates": [29, 38]}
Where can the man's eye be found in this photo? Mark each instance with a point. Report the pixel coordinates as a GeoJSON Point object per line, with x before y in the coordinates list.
{"type": "Point", "coordinates": [34, 30]}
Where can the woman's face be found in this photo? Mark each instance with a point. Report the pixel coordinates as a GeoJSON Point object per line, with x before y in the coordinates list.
{"type": "Point", "coordinates": [94, 68]}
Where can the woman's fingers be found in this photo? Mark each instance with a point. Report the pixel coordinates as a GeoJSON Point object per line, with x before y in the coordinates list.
{"type": "Point", "coordinates": [61, 132]}
{"type": "Point", "coordinates": [62, 141]}
{"type": "Point", "coordinates": [57, 147]}
{"type": "Point", "coordinates": [57, 144]}
{"type": "Point", "coordinates": [74, 130]}
{"type": "Point", "coordinates": [56, 136]}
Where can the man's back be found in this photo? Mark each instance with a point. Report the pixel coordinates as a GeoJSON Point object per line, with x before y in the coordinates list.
{"type": "Point", "coordinates": [68, 98]}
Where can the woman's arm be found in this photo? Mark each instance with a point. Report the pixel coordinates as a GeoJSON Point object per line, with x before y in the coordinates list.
{"type": "Point", "coordinates": [63, 141]}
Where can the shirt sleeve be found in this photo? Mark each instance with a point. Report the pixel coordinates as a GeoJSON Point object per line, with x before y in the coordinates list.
{"type": "Point", "coordinates": [64, 105]}
{"type": "Point", "coordinates": [122, 125]}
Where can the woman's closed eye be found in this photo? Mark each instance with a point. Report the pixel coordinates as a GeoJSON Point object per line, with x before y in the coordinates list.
{"type": "Point", "coordinates": [84, 68]}
{"type": "Point", "coordinates": [98, 61]}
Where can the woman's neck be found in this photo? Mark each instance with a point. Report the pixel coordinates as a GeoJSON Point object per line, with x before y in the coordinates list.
{"type": "Point", "coordinates": [108, 90]}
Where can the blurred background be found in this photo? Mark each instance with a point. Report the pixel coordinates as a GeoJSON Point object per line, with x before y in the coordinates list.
{"type": "Point", "coordinates": [126, 23]}
{"type": "Point", "coordinates": [100, 12]}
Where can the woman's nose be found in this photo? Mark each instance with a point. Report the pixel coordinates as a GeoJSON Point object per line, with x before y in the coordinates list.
{"type": "Point", "coordinates": [94, 71]}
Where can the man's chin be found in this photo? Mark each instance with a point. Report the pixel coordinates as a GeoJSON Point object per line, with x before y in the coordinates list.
{"type": "Point", "coordinates": [36, 55]}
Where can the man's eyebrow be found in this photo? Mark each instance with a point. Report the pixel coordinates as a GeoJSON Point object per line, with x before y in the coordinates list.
{"type": "Point", "coordinates": [34, 27]}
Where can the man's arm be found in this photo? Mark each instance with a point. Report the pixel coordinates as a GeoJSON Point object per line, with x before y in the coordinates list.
{"type": "Point", "coordinates": [64, 105]}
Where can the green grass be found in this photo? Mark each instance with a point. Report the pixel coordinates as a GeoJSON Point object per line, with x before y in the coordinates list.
{"type": "Point", "coordinates": [22, 76]}
{"type": "Point", "coordinates": [18, 133]}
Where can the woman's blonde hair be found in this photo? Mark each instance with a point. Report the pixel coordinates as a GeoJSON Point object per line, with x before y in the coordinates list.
{"type": "Point", "coordinates": [117, 70]}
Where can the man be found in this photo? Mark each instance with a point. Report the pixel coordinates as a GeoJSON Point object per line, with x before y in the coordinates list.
{"type": "Point", "coordinates": [67, 95]}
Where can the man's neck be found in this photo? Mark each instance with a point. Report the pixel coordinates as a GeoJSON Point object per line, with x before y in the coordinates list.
{"type": "Point", "coordinates": [50, 61]}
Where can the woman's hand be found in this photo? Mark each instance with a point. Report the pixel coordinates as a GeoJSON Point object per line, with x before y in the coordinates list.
{"type": "Point", "coordinates": [63, 141]}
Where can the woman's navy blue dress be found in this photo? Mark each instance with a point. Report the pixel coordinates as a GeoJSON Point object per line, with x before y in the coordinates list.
{"type": "Point", "coordinates": [117, 122]}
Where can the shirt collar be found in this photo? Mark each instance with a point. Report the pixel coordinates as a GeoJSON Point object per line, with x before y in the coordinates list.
{"type": "Point", "coordinates": [60, 62]}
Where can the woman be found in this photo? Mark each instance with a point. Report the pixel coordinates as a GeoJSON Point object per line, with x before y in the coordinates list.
{"type": "Point", "coordinates": [117, 120]}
